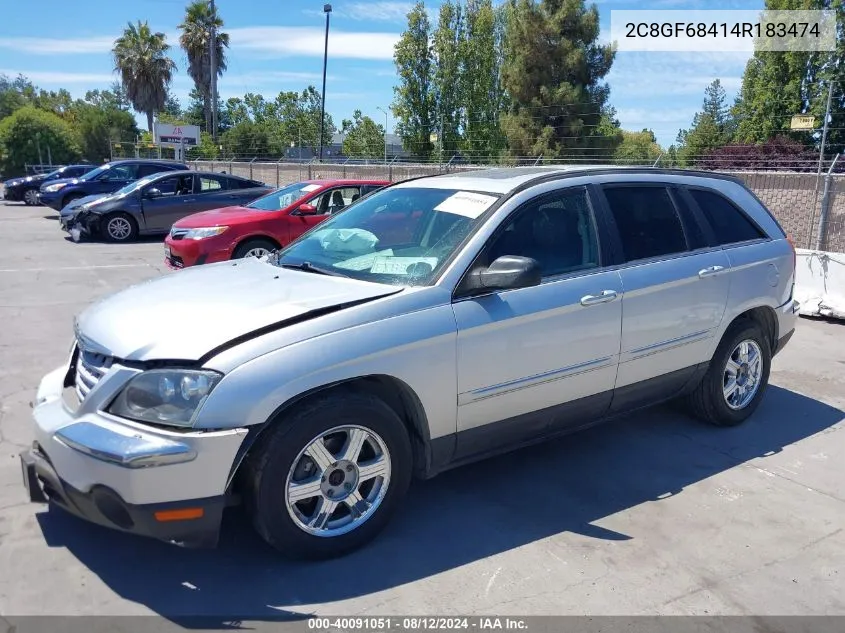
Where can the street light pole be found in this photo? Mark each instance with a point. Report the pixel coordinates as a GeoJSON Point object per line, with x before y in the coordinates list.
{"type": "Point", "coordinates": [213, 59]}
{"type": "Point", "coordinates": [327, 9]}
{"type": "Point", "coordinates": [385, 132]}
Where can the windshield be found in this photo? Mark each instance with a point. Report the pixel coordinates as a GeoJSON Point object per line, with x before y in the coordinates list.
{"type": "Point", "coordinates": [283, 197]}
{"type": "Point", "coordinates": [134, 186]}
{"type": "Point", "coordinates": [95, 172]}
{"type": "Point", "coordinates": [401, 235]}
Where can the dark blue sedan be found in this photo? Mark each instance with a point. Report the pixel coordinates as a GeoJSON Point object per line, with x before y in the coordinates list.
{"type": "Point", "coordinates": [105, 179]}
{"type": "Point", "coordinates": [151, 205]}
{"type": "Point", "coordinates": [26, 188]}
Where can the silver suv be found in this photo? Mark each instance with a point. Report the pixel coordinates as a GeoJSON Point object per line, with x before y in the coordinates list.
{"type": "Point", "coordinates": [433, 323]}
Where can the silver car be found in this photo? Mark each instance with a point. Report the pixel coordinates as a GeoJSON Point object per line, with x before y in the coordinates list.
{"type": "Point", "coordinates": [431, 324]}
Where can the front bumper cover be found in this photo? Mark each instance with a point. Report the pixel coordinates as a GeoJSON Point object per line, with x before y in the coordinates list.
{"type": "Point", "coordinates": [104, 506]}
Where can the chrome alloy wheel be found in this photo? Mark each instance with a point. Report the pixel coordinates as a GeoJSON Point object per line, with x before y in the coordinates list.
{"type": "Point", "coordinates": [338, 481]}
{"type": "Point", "coordinates": [118, 228]}
{"type": "Point", "coordinates": [258, 251]}
{"type": "Point", "coordinates": [742, 375]}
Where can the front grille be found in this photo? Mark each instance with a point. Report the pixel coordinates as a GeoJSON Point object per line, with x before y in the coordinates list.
{"type": "Point", "coordinates": [176, 261]}
{"type": "Point", "coordinates": [178, 234]}
{"type": "Point", "coordinates": [90, 368]}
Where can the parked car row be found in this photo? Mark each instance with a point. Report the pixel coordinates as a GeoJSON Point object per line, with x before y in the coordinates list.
{"type": "Point", "coordinates": [26, 189]}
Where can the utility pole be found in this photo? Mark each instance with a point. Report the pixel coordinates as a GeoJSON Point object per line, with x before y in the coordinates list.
{"type": "Point", "coordinates": [821, 160]}
{"type": "Point", "coordinates": [327, 9]}
{"type": "Point", "coordinates": [213, 57]}
{"type": "Point", "coordinates": [385, 132]}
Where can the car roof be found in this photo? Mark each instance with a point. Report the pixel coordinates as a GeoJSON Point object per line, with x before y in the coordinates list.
{"type": "Point", "coordinates": [325, 182]}
{"type": "Point", "coordinates": [148, 161]}
{"type": "Point", "coordinates": [506, 179]}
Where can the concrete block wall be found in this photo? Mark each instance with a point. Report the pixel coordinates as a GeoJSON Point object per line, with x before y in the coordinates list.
{"type": "Point", "coordinates": [790, 196]}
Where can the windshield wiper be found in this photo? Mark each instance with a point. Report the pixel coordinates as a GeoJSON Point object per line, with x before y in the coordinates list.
{"type": "Point", "coordinates": [308, 267]}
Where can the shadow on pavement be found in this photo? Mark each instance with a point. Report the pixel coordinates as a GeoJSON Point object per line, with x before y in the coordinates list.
{"type": "Point", "coordinates": [454, 519]}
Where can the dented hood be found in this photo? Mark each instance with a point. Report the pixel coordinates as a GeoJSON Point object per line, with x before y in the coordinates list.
{"type": "Point", "coordinates": [185, 315]}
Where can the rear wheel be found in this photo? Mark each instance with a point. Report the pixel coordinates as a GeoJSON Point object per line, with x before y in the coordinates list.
{"type": "Point", "coordinates": [327, 478]}
{"type": "Point", "coordinates": [254, 248]}
{"type": "Point", "coordinates": [733, 386]}
{"type": "Point", "coordinates": [119, 227]}
{"type": "Point", "coordinates": [30, 198]}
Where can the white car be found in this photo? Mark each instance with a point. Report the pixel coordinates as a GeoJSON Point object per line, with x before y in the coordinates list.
{"type": "Point", "coordinates": [433, 323]}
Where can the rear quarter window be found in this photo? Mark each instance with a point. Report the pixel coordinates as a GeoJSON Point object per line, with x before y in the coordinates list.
{"type": "Point", "coordinates": [730, 224]}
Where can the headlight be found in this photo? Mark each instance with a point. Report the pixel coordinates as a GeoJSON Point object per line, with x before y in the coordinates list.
{"type": "Point", "coordinates": [199, 234]}
{"type": "Point", "coordinates": [165, 396]}
{"type": "Point", "coordinates": [54, 188]}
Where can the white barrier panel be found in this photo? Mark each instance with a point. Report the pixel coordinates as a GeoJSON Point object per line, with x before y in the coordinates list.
{"type": "Point", "coordinates": [820, 283]}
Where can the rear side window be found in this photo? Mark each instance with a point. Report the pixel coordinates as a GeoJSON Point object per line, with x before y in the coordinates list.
{"type": "Point", "coordinates": [730, 225]}
{"type": "Point", "coordinates": [647, 221]}
{"type": "Point", "coordinates": [208, 183]}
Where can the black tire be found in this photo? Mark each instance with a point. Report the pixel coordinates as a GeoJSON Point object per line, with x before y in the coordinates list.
{"type": "Point", "coordinates": [252, 244]}
{"type": "Point", "coordinates": [267, 467]}
{"type": "Point", "coordinates": [707, 401]}
{"type": "Point", "coordinates": [109, 227]}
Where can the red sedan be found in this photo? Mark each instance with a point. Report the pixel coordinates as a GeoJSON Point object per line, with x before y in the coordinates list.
{"type": "Point", "coordinates": [261, 226]}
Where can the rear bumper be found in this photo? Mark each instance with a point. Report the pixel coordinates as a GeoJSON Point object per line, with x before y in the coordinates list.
{"type": "Point", "coordinates": [787, 320]}
{"type": "Point", "coordinates": [104, 506]}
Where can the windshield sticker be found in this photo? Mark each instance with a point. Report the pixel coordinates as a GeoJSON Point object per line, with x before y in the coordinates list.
{"type": "Point", "coordinates": [311, 187]}
{"type": "Point", "coordinates": [466, 203]}
{"type": "Point", "coordinates": [403, 265]}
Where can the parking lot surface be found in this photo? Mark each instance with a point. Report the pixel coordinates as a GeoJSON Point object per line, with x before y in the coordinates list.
{"type": "Point", "coordinates": [653, 514]}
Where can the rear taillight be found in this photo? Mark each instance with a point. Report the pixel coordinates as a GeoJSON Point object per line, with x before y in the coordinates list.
{"type": "Point", "coordinates": [794, 255]}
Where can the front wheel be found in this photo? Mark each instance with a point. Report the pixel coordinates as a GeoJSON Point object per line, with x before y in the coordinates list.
{"type": "Point", "coordinates": [119, 227]}
{"type": "Point", "coordinates": [326, 479]}
{"type": "Point", "coordinates": [253, 248]}
{"type": "Point", "coordinates": [733, 386]}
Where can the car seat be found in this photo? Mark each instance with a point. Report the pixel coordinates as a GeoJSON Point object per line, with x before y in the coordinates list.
{"type": "Point", "coordinates": [337, 202]}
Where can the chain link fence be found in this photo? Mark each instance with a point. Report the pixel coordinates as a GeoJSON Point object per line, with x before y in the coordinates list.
{"type": "Point", "coordinates": [810, 208]}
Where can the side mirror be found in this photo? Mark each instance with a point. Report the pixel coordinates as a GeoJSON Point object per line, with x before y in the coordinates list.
{"type": "Point", "coordinates": [152, 192]}
{"type": "Point", "coordinates": [508, 272]}
{"type": "Point", "coordinates": [307, 209]}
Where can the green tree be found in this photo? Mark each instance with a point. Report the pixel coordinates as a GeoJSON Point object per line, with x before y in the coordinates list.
{"type": "Point", "coordinates": [196, 42]}
{"type": "Point", "coordinates": [363, 137]}
{"type": "Point", "coordinates": [96, 127]}
{"type": "Point", "coordinates": [15, 94]}
{"type": "Point", "coordinates": [28, 130]}
{"type": "Point", "coordinates": [247, 139]}
{"type": "Point", "coordinates": [414, 103]}
{"type": "Point", "coordinates": [140, 57]}
{"type": "Point", "coordinates": [480, 85]}
{"type": "Point", "coordinates": [712, 127]}
{"type": "Point", "coordinates": [554, 73]}
{"type": "Point", "coordinates": [206, 150]}
{"type": "Point", "coordinates": [447, 51]}
{"type": "Point", "coordinates": [637, 148]}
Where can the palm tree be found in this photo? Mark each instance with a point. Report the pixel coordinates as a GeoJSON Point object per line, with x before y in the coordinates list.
{"type": "Point", "coordinates": [196, 42]}
{"type": "Point", "coordinates": [140, 57]}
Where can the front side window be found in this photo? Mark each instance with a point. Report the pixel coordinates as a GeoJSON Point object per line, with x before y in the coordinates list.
{"type": "Point", "coordinates": [335, 200]}
{"type": "Point", "coordinates": [729, 223]}
{"type": "Point", "coordinates": [647, 221]}
{"type": "Point", "coordinates": [174, 185]}
{"type": "Point", "coordinates": [556, 230]}
{"type": "Point", "coordinates": [402, 235]}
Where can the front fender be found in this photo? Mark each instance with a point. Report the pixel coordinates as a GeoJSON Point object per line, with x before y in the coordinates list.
{"type": "Point", "coordinates": [417, 348]}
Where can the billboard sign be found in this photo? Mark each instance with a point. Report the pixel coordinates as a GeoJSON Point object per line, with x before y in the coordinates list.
{"type": "Point", "coordinates": [177, 134]}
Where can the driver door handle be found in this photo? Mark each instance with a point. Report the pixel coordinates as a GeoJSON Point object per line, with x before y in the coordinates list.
{"type": "Point", "coordinates": [605, 297]}
{"type": "Point", "coordinates": [712, 270]}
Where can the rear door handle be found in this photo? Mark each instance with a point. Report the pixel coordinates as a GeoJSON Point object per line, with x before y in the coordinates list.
{"type": "Point", "coordinates": [707, 272]}
{"type": "Point", "coordinates": [605, 297]}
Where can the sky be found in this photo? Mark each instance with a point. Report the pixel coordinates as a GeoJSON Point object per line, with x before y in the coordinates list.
{"type": "Point", "coordinates": [277, 45]}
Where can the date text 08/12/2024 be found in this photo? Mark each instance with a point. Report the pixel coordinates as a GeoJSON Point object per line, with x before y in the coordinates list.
{"type": "Point", "coordinates": [373, 624]}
